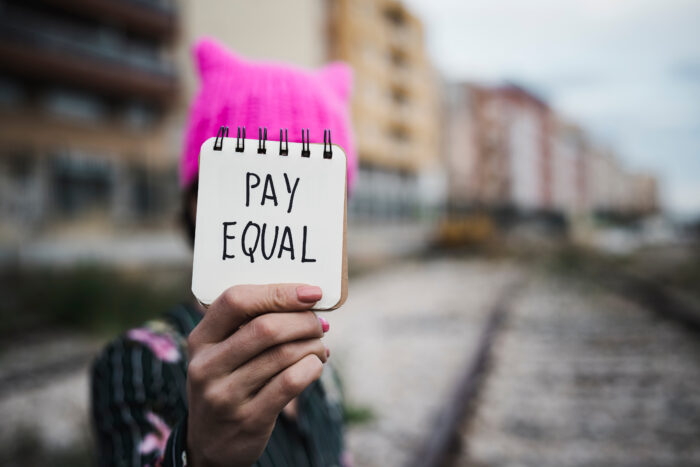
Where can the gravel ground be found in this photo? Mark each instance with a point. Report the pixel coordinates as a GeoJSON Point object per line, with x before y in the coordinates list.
{"type": "Point", "coordinates": [54, 415]}
{"type": "Point", "coordinates": [579, 378]}
{"type": "Point", "coordinates": [401, 342]}
{"type": "Point", "coordinates": [583, 378]}
{"type": "Point", "coordinates": [44, 390]}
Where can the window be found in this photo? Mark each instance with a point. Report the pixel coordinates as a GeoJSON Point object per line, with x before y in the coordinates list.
{"type": "Point", "coordinates": [395, 15]}
{"type": "Point", "coordinates": [11, 93]}
{"type": "Point", "coordinates": [399, 133]}
{"type": "Point", "coordinates": [80, 184]}
{"type": "Point", "coordinates": [398, 58]}
{"type": "Point", "coordinates": [399, 96]}
{"type": "Point", "coordinates": [139, 115]}
{"type": "Point", "coordinates": [75, 105]}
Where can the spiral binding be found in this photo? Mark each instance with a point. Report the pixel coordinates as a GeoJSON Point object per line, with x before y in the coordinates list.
{"type": "Point", "coordinates": [219, 141]}
{"type": "Point", "coordinates": [285, 151]}
{"type": "Point", "coordinates": [261, 141]}
{"type": "Point", "coordinates": [327, 153]}
{"type": "Point", "coordinates": [305, 148]}
{"type": "Point", "coordinates": [284, 148]}
{"type": "Point", "coordinates": [240, 143]}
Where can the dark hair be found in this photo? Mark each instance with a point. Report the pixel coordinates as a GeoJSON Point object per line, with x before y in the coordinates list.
{"type": "Point", "coordinates": [187, 220]}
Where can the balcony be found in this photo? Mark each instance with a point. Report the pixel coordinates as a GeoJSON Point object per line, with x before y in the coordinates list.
{"type": "Point", "coordinates": [156, 19]}
{"type": "Point", "coordinates": [42, 50]}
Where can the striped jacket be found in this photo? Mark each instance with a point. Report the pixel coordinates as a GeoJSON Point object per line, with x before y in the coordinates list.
{"type": "Point", "coordinates": [139, 404]}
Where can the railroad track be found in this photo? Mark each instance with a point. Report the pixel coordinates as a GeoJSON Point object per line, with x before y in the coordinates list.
{"type": "Point", "coordinates": [42, 359]}
{"type": "Point", "coordinates": [443, 442]}
{"type": "Point", "coordinates": [559, 374]}
{"type": "Point", "coordinates": [576, 376]}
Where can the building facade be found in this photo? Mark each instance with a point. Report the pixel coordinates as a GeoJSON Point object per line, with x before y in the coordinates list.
{"type": "Point", "coordinates": [396, 107]}
{"type": "Point", "coordinates": [85, 93]}
{"type": "Point", "coordinates": [499, 153]}
{"type": "Point", "coordinates": [93, 98]}
{"type": "Point", "coordinates": [528, 133]}
{"type": "Point", "coordinates": [567, 163]}
{"type": "Point", "coordinates": [507, 148]}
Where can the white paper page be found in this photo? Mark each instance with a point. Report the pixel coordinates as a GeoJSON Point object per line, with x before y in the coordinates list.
{"type": "Point", "coordinates": [313, 228]}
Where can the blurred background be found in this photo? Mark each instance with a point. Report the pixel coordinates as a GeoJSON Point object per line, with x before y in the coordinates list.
{"type": "Point", "coordinates": [522, 239]}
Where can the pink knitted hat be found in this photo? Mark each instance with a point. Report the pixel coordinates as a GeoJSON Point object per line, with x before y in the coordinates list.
{"type": "Point", "coordinates": [238, 92]}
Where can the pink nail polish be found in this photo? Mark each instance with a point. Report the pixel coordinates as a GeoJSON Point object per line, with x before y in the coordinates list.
{"type": "Point", "coordinates": [309, 293]}
{"type": "Point", "coordinates": [324, 324]}
{"type": "Point", "coordinates": [328, 352]}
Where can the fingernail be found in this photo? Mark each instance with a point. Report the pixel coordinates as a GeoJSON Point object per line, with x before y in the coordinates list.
{"type": "Point", "coordinates": [324, 324]}
{"type": "Point", "coordinates": [309, 293]}
{"type": "Point", "coordinates": [328, 352]}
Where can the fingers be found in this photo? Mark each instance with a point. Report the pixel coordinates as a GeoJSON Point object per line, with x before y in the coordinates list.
{"type": "Point", "coordinates": [250, 377]}
{"type": "Point", "coordinates": [285, 386]}
{"type": "Point", "coordinates": [259, 335]}
{"type": "Point", "coordinates": [242, 303]}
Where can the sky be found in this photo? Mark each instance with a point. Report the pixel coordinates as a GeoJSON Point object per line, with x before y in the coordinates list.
{"type": "Point", "coordinates": [628, 71]}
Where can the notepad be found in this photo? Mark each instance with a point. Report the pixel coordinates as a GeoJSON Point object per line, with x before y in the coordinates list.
{"type": "Point", "coordinates": [270, 212]}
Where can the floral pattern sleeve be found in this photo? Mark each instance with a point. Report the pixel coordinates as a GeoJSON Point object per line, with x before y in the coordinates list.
{"type": "Point", "coordinates": [138, 405]}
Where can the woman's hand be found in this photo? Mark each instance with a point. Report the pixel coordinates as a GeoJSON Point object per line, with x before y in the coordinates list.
{"type": "Point", "coordinates": [255, 350]}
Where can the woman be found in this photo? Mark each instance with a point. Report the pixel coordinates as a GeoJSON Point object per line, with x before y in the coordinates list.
{"type": "Point", "coordinates": [244, 381]}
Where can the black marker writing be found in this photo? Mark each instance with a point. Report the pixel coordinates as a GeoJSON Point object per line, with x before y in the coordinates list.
{"type": "Point", "coordinates": [291, 191]}
{"type": "Point", "coordinates": [249, 186]}
{"type": "Point", "coordinates": [256, 235]}
{"type": "Point", "coordinates": [249, 251]}
{"type": "Point", "coordinates": [274, 242]}
{"type": "Point", "coordinates": [271, 186]}
{"type": "Point", "coordinates": [269, 193]}
{"type": "Point", "coordinates": [304, 259]}
{"type": "Point", "coordinates": [226, 238]}
{"type": "Point", "coordinates": [288, 235]}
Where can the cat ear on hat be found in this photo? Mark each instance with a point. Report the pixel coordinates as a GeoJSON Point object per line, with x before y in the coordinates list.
{"type": "Point", "coordinates": [337, 76]}
{"type": "Point", "coordinates": [211, 55]}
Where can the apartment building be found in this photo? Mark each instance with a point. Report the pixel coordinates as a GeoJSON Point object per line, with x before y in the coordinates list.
{"type": "Point", "coordinates": [528, 132]}
{"type": "Point", "coordinates": [499, 149]}
{"type": "Point", "coordinates": [475, 149]}
{"type": "Point", "coordinates": [568, 146]}
{"type": "Point", "coordinates": [93, 97]}
{"type": "Point", "coordinates": [461, 146]}
{"type": "Point", "coordinates": [645, 193]}
{"type": "Point", "coordinates": [294, 32]}
{"type": "Point", "coordinates": [601, 184]}
{"type": "Point", "coordinates": [85, 93]}
{"type": "Point", "coordinates": [602, 170]}
{"type": "Point", "coordinates": [396, 107]}
{"type": "Point", "coordinates": [506, 147]}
